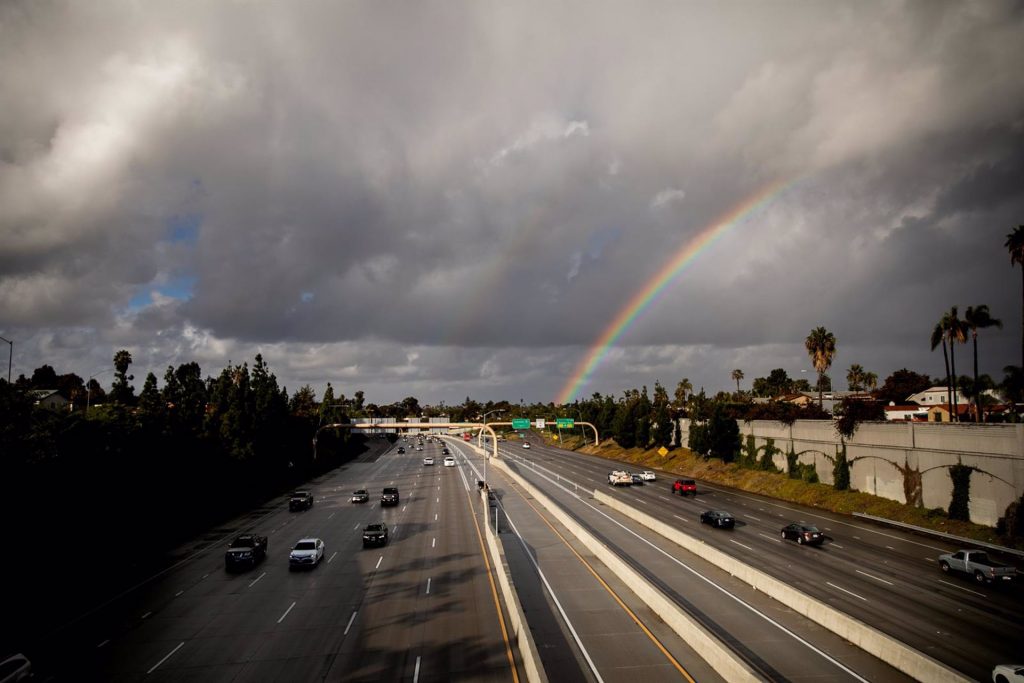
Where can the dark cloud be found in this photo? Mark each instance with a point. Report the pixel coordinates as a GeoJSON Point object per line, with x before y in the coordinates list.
{"type": "Point", "coordinates": [443, 200]}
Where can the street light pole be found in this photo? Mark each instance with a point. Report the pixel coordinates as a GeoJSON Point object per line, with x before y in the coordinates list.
{"type": "Point", "coordinates": [88, 389]}
{"type": "Point", "coordinates": [481, 436]}
{"type": "Point", "coordinates": [10, 358]}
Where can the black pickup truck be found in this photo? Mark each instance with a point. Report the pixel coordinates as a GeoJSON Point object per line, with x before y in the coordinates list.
{"type": "Point", "coordinates": [300, 500]}
{"type": "Point", "coordinates": [245, 551]}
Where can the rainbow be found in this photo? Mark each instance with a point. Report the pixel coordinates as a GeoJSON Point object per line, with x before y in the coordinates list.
{"type": "Point", "coordinates": [661, 280]}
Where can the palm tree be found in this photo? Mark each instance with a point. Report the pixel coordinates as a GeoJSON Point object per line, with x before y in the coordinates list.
{"type": "Point", "coordinates": [870, 380]}
{"type": "Point", "coordinates": [939, 337]}
{"type": "Point", "coordinates": [855, 377]}
{"type": "Point", "coordinates": [821, 347]}
{"type": "Point", "coordinates": [956, 331]}
{"type": "Point", "coordinates": [737, 375]}
{"type": "Point", "coordinates": [978, 318]}
{"type": "Point", "coordinates": [682, 389]}
{"type": "Point", "coordinates": [1015, 245]}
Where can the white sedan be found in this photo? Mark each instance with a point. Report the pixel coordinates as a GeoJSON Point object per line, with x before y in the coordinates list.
{"type": "Point", "coordinates": [1008, 673]}
{"type": "Point", "coordinates": [526, 444]}
{"type": "Point", "coordinates": [449, 461]}
{"type": "Point", "coordinates": [307, 553]}
{"type": "Point", "coordinates": [429, 460]}
{"type": "Point", "coordinates": [647, 475]}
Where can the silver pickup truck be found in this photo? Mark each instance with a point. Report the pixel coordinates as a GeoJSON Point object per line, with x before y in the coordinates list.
{"type": "Point", "coordinates": [977, 564]}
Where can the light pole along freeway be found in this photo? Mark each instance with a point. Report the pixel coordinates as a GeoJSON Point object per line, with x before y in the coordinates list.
{"type": "Point", "coordinates": [886, 578]}
{"type": "Point", "coordinates": [421, 608]}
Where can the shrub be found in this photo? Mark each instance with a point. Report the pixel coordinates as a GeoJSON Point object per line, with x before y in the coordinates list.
{"type": "Point", "coordinates": [959, 506]}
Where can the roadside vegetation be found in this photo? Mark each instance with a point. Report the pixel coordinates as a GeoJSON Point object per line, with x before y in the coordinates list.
{"type": "Point", "coordinates": [741, 476]}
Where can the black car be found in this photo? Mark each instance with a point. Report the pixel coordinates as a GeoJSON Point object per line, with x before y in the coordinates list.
{"type": "Point", "coordinates": [375, 534]}
{"type": "Point", "coordinates": [445, 451]}
{"type": "Point", "coordinates": [389, 496]}
{"type": "Point", "coordinates": [637, 479]}
{"type": "Point", "coordinates": [245, 551]}
{"type": "Point", "coordinates": [401, 450]}
{"type": "Point", "coordinates": [360, 496]}
{"type": "Point", "coordinates": [718, 519]}
{"type": "Point", "coordinates": [803, 534]}
{"type": "Point", "coordinates": [300, 500]}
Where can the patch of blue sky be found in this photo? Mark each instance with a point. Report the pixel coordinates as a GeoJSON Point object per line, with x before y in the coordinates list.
{"type": "Point", "coordinates": [307, 297]}
{"type": "Point", "coordinates": [184, 228]}
{"type": "Point", "coordinates": [180, 288]}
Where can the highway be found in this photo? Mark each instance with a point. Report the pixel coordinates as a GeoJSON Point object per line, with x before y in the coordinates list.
{"type": "Point", "coordinates": [888, 579]}
{"type": "Point", "coordinates": [421, 608]}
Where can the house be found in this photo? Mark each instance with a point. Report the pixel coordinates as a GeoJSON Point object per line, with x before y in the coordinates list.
{"type": "Point", "coordinates": [905, 413]}
{"type": "Point", "coordinates": [942, 413]}
{"type": "Point", "coordinates": [934, 396]}
{"type": "Point", "coordinates": [48, 398]}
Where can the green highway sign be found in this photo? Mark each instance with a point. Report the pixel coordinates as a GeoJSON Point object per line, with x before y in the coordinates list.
{"type": "Point", "coordinates": [520, 423]}
{"type": "Point", "coordinates": [565, 422]}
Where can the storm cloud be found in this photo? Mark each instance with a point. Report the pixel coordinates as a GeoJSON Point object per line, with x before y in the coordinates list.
{"type": "Point", "coordinates": [451, 199]}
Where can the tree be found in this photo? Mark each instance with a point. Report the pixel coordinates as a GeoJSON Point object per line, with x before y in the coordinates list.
{"type": "Point", "coordinates": [642, 420]}
{"type": "Point", "coordinates": [723, 434]}
{"type": "Point", "coordinates": [870, 381]}
{"type": "Point", "coordinates": [327, 404]}
{"type": "Point", "coordinates": [737, 375]}
{"type": "Point", "coordinates": [1012, 386]}
{"type": "Point", "coordinates": [978, 318]}
{"type": "Point", "coordinates": [821, 347]}
{"type": "Point", "coordinates": [303, 402]}
{"type": "Point", "coordinates": [956, 332]}
{"type": "Point", "coordinates": [682, 389]}
{"type": "Point", "coordinates": [902, 384]}
{"type": "Point", "coordinates": [777, 383]}
{"type": "Point", "coordinates": [150, 402]}
{"type": "Point", "coordinates": [824, 383]}
{"type": "Point", "coordinates": [121, 391]}
{"type": "Point", "coordinates": [855, 377]}
{"type": "Point", "coordinates": [1015, 245]}
{"type": "Point", "coordinates": [44, 377]}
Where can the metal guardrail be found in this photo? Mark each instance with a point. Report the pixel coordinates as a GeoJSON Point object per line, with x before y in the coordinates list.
{"type": "Point", "coordinates": [941, 534]}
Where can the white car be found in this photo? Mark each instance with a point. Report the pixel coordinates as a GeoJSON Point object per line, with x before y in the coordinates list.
{"type": "Point", "coordinates": [647, 475]}
{"type": "Point", "coordinates": [429, 460]}
{"type": "Point", "coordinates": [526, 444]}
{"type": "Point", "coordinates": [449, 461]}
{"type": "Point", "coordinates": [1008, 673]}
{"type": "Point", "coordinates": [307, 553]}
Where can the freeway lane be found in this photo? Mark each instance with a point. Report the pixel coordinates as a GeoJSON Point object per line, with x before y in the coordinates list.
{"type": "Point", "coordinates": [584, 627]}
{"type": "Point", "coordinates": [420, 608]}
{"type": "Point", "coordinates": [886, 578]}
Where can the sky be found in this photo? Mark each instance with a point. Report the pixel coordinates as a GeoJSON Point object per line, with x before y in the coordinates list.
{"type": "Point", "coordinates": [452, 199]}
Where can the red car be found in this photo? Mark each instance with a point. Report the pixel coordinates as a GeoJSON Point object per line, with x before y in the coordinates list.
{"type": "Point", "coordinates": [684, 487]}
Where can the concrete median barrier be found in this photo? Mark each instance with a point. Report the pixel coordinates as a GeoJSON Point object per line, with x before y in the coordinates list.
{"type": "Point", "coordinates": [891, 651]}
{"type": "Point", "coordinates": [705, 644]}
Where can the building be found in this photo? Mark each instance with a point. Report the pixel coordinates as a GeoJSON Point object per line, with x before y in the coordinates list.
{"type": "Point", "coordinates": [48, 398]}
{"type": "Point", "coordinates": [943, 413]}
{"type": "Point", "coordinates": [935, 396]}
{"type": "Point", "coordinates": [905, 413]}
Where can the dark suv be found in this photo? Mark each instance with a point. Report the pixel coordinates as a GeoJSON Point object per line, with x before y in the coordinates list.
{"type": "Point", "coordinates": [375, 534]}
{"type": "Point", "coordinates": [300, 500]}
{"type": "Point", "coordinates": [389, 496]}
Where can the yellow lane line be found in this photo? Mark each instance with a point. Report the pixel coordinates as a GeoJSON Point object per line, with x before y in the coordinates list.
{"type": "Point", "coordinates": [590, 568]}
{"type": "Point", "coordinates": [494, 590]}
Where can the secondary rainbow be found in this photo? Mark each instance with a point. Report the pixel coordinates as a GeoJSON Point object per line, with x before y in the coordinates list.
{"type": "Point", "coordinates": [660, 281]}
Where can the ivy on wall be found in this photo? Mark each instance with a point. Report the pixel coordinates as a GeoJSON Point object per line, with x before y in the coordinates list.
{"type": "Point", "coordinates": [959, 506]}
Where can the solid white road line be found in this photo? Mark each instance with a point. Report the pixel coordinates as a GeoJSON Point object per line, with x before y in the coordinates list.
{"type": "Point", "coordinates": [379, 561]}
{"type": "Point", "coordinates": [253, 582]}
{"type": "Point", "coordinates": [286, 612]}
{"type": "Point", "coordinates": [350, 620]}
{"type": "Point", "coordinates": [741, 545]}
{"type": "Point", "coordinates": [890, 583]}
{"type": "Point", "coordinates": [829, 583]}
{"type": "Point", "coordinates": [416, 673]}
{"type": "Point", "coordinates": [331, 557]}
{"type": "Point", "coordinates": [166, 656]}
{"type": "Point", "coordinates": [428, 585]}
{"type": "Point", "coordinates": [962, 588]}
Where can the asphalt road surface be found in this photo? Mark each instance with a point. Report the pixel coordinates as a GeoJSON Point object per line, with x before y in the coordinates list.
{"type": "Point", "coordinates": [421, 608]}
{"type": "Point", "coordinates": [886, 578]}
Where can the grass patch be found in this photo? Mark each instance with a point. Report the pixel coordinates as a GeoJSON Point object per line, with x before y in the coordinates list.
{"type": "Point", "coordinates": [822, 496]}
